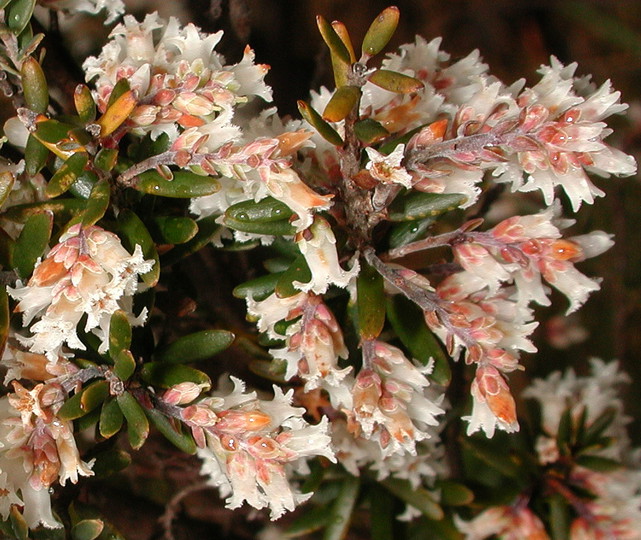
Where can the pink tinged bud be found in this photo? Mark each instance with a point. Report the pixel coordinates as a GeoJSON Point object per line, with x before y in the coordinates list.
{"type": "Point", "coordinates": [533, 117]}
{"type": "Point", "coordinates": [144, 115]}
{"type": "Point", "coordinates": [366, 392]}
{"type": "Point", "coordinates": [193, 104]}
{"type": "Point", "coordinates": [264, 448]}
{"type": "Point", "coordinates": [241, 421]}
{"type": "Point", "coordinates": [183, 393]}
{"type": "Point", "coordinates": [198, 415]}
{"type": "Point", "coordinates": [164, 97]}
{"type": "Point", "coordinates": [493, 388]}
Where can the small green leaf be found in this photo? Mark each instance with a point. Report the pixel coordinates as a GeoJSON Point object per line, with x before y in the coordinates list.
{"type": "Point", "coordinates": [332, 39]}
{"type": "Point", "coordinates": [298, 272]}
{"type": "Point", "coordinates": [98, 202]}
{"type": "Point", "coordinates": [264, 211]}
{"type": "Point", "coordinates": [259, 288]}
{"type": "Point", "coordinates": [395, 82]}
{"type": "Point", "coordinates": [380, 31]}
{"type": "Point", "coordinates": [419, 498]}
{"type": "Point", "coordinates": [175, 230]}
{"type": "Point", "coordinates": [370, 302]}
{"type": "Point", "coordinates": [342, 103]}
{"type": "Point", "coordinates": [565, 433]}
{"type": "Point", "coordinates": [183, 185]}
{"type": "Point", "coordinates": [381, 514]}
{"type": "Point", "coordinates": [598, 463]}
{"type": "Point", "coordinates": [180, 439]}
{"type": "Point", "coordinates": [486, 451]}
{"type": "Point", "coordinates": [340, 514]}
{"type": "Point", "coordinates": [340, 67]}
{"type": "Point", "coordinates": [119, 333]}
{"type": "Point", "coordinates": [369, 131]}
{"type": "Point", "coordinates": [52, 131]}
{"type": "Point", "coordinates": [124, 365]}
{"type": "Point", "coordinates": [166, 375]}
{"type": "Point", "coordinates": [18, 13]}
{"type": "Point", "coordinates": [454, 493]}
{"type": "Point", "coordinates": [66, 175]}
{"type": "Point", "coordinates": [84, 401]}
{"type": "Point", "coordinates": [109, 462]}
{"type": "Point", "coordinates": [315, 120]}
{"type": "Point", "coordinates": [417, 205]}
{"type": "Point", "coordinates": [405, 232]}
{"type": "Point", "coordinates": [32, 242]}
{"type": "Point", "coordinates": [275, 228]}
{"type": "Point", "coordinates": [35, 156]}
{"type": "Point", "coordinates": [197, 346]}
{"type": "Point", "coordinates": [308, 522]}
{"type": "Point", "coordinates": [85, 105]}
{"type": "Point", "coordinates": [34, 86]}
{"type": "Point", "coordinates": [18, 524]}
{"type": "Point", "coordinates": [111, 419]}
{"type": "Point", "coordinates": [87, 529]}
{"type": "Point", "coordinates": [599, 425]}
{"type": "Point", "coordinates": [62, 209]}
{"type": "Point", "coordinates": [133, 232]}
{"type": "Point", "coordinates": [106, 159]}
{"type": "Point", "coordinates": [120, 88]}
{"type": "Point", "coordinates": [559, 517]}
{"type": "Point", "coordinates": [208, 228]}
{"type": "Point", "coordinates": [137, 423]}
{"type": "Point", "coordinates": [408, 323]}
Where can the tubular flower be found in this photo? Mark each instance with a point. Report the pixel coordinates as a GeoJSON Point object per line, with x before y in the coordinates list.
{"type": "Point", "coordinates": [249, 446]}
{"type": "Point", "coordinates": [88, 273]}
{"type": "Point", "coordinates": [507, 522]}
{"type": "Point", "coordinates": [114, 8]}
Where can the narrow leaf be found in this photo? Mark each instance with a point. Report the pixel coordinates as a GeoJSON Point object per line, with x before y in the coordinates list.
{"type": "Point", "coordinates": [418, 205]}
{"type": "Point", "coordinates": [175, 230]}
{"type": "Point", "coordinates": [419, 498]}
{"type": "Point", "coordinates": [454, 493]}
{"type": "Point", "coordinates": [35, 156]}
{"type": "Point", "coordinates": [137, 423]}
{"type": "Point", "coordinates": [197, 346]}
{"type": "Point", "coordinates": [85, 105]}
{"type": "Point", "coordinates": [208, 228]}
{"type": "Point", "coordinates": [315, 120]}
{"type": "Point", "coordinates": [298, 272]}
{"type": "Point", "coordinates": [18, 13]}
{"type": "Point", "coordinates": [370, 302]}
{"type": "Point", "coordinates": [381, 514]}
{"type": "Point", "coordinates": [66, 175]}
{"type": "Point", "coordinates": [80, 404]}
{"type": "Point", "coordinates": [166, 375]}
{"type": "Point", "coordinates": [183, 185]}
{"type": "Point", "coordinates": [98, 202]}
{"type": "Point", "coordinates": [124, 365]}
{"type": "Point", "coordinates": [275, 228]}
{"type": "Point", "coordinates": [111, 419]}
{"type": "Point", "coordinates": [332, 39]}
{"type": "Point", "coordinates": [598, 463]}
{"type": "Point", "coordinates": [32, 242]}
{"type": "Point", "coordinates": [369, 131]}
{"type": "Point", "coordinates": [259, 288]}
{"type": "Point", "coordinates": [109, 462]}
{"type": "Point", "coordinates": [117, 113]}
{"type": "Point", "coordinates": [119, 333]}
{"type": "Point", "coordinates": [264, 211]}
{"type": "Point", "coordinates": [34, 86]}
{"type": "Point", "coordinates": [342, 103]}
{"type": "Point", "coordinates": [559, 517]}
{"type": "Point", "coordinates": [181, 440]}
{"type": "Point", "coordinates": [62, 210]}
{"type": "Point", "coordinates": [5, 316]}
{"type": "Point", "coordinates": [380, 31]}
{"type": "Point", "coordinates": [87, 529]}
{"type": "Point", "coordinates": [308, 522]}
{"type": "Point", "coordinates": [340, 514]}
{"type": "Point", "coordinates": [395, 82]}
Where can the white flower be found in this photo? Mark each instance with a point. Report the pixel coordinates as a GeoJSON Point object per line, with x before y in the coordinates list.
{"type": "Point", "coordinates": [388, 168]}
{"type": "Point", "coordinates": [114, 8]}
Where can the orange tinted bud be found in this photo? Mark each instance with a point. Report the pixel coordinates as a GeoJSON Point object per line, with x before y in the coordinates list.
{"type": "Point", "coordinates": [564, 250]}
{"type": "Point", "coordinates": [237, 421]}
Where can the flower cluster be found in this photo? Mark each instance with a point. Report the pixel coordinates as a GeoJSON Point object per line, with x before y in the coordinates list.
{"type": "Point", "coordinates": [89, 273]}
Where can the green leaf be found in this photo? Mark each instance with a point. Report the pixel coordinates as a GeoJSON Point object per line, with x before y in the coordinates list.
{"type": "Point", "coordinates": [565, 433]}
{"type": "Point", "coordinates": [308, 522]}
{"type": "Point", "coordinates": [297, 272]}
{"type": "Point", "coordinates": [7, 245]}
{"type": "Point", "coordinates": [52, 131]}
{"type": "Point", "coordinates": [32, 242]}
{"type": "Point", "coordinates": [110, 461]}
{"type": "Point", "coordinates": [315, 120]}
{"type": "Point", "coordinates": [419, 498]}
{"type": "Point", "coordinates": [408, 231]}
{"type": "Point", "coordinates": [408, 323]}
{"type": "Point", "coordinates": [369, 131]}
{"type": "Point", "coordinates": [166, 375]}
{"type": "Point", "coordinates": [85, 105]}
{"type": "Point", "coordinates": [120, 88]}
{"type": "Point", "coordinates": [119, 333]}
{"type": "Point", "coordinates": [87, 529]}
{"type": "Point", "coordinates": [395, 82]}
{"type": "Point", "coordinates": [381, 514]}
{"type": "Point", "coordinates": [34, 86]}
{"type": "Point", "coordinates": [137, 423]}
{"type": "Point", "coordinates": [275, 228]}
{"type": "Point", "coordinates": [258, 288]}
{"type": "Point", "coordinates": [487, 452]}
{"type": "Point", "coordinates": [332, 39]}
{"type": "Point", "coordinates": [5, 317]}
{"type": "Point", "coordinates": [133, 232]}
{"type": "Point", "coordinates": [197, 346]}
{"type": "Point", "coordinates": [183, 185]}
{"type": "Point", "coordinates": [35, 156]}
{"type": "Point", "coordinates": [84, 401]}
{"type": "Point", "coordinates": [98, 202]}
{"type": "Point", "coordinates": [370, 302]}
{"type": "Point", "coordinates": [62, 209]}
{"type": "Point", "coordinates": [597, 428]}
{"type": "Point", "coordinates": [106, 159]}
{"type": "Point", "coordinates": [598, 463]}
{"type": "Point", "coordinates": [207, 230]}
{"type": "Point", "coordinates": [560, 518]}
{"type": "Point", "coordinates": [180, 439]}
{"type": "Point", "coordinates": [340, 514]}
{"type": "Point", "coordinates": [380, 31]}
{"type": "Point", "coordinates": [418, 205]}
{"type": "Point", "coordinates": [18, 13]}
{"type": "Point", "coordinates": [111, 419]}
{"type": "Point", "coordinates": [266, 210]}
{"type": "Point", "coordinates": [175, 230]}
{"type": "Point", "coordinates": [342, 103]}
{"type": "Point", "coordinates": [66, 175]}
{"type": "Point", "coordinates": [124, 365]}
{"type": "Point", "coordinates": [454, 493]}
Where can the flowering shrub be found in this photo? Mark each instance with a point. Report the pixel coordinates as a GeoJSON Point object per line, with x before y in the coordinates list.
{"type": "Point", "coordinates": [381, 282]}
